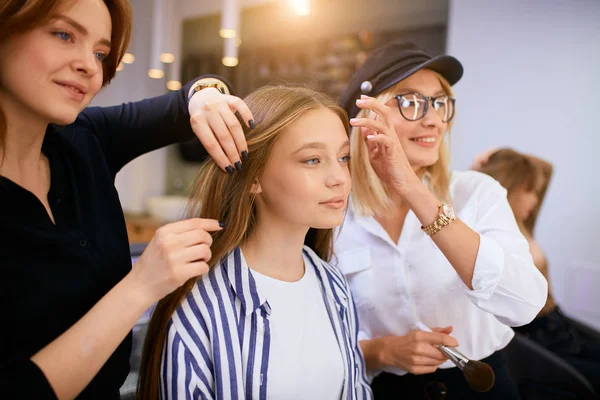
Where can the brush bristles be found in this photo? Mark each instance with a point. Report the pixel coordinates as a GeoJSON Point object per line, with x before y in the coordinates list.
{"type": "Point", "coordinates": [479, 375]}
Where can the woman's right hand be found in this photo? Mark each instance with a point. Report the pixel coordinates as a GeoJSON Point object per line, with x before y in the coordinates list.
{"type": "Point", "coordinates": [417, 351]}
{"type": "Point", "coordinates": [177, 252]}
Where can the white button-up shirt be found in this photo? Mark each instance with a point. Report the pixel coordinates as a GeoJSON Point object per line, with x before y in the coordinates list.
{"type": "Point", "coordinates": [396, 285]}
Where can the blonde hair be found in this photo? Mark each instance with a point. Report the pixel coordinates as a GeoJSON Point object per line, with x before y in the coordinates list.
{"type": "Point", "coordinates": [229, 198]}
{"type": "Point", "coordinates": [369, 195]}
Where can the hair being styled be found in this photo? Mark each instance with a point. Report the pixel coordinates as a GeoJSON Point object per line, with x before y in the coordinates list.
{"type": "Point", "coordinates": [516, 171]}
{"type": "Point", "coordinates": [21, 16]}
{"type": "Point", "coordinates": [229, 198]}
{"type": "Point", "coordinates": [369, 194]}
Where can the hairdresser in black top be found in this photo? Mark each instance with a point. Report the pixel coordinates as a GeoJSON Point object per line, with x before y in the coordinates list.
{"type": "Point", "coordinates": [433, 256]}
{"type": "Point", "coordinates": [68, 294]}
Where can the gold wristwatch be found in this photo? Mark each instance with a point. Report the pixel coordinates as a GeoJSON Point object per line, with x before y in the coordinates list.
{"type": "Point", "coordinates": [445, 217]}
{"type": "Point", "coordinates": [204, 83]}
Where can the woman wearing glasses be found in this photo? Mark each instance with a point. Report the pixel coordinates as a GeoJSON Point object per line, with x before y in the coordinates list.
{"type": "Point", "coordinates": [424, 245]}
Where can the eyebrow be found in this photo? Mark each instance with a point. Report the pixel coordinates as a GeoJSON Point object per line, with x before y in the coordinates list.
{"type": "Point", "coordinates": [80, 28]}
{"type": "Point", "coordinates": [411, 90]}
{"type": "Point", "coordinates": [318, 145]}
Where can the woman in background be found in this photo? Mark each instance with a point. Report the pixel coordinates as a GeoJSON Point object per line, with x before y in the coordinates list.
{"type": "Point", "coordinates": [272, 319]}
{"type": "Point", "coordinates": [526, 180]}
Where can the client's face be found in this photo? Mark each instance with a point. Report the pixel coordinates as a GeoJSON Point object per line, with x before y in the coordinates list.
{"type": "Point", "coordinates": [307, 179]}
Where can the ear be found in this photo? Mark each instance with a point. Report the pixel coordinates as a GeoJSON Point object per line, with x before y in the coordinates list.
{"type": "Point", "coordinates": [256, 188]}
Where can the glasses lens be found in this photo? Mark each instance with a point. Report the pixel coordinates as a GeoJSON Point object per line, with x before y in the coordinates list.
{"type": "Point", "coordinates": [412, 106]}
{"type": "Point", "coordinates": [444, 106]}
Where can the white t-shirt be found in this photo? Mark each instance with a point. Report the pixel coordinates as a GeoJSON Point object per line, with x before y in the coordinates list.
{"type": "Point", "coordinates": [304, 360]}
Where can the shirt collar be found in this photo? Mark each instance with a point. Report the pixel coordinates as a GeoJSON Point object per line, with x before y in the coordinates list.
{"type": "Point", "coordinates": [246, 290]}
{"type": "Point", "coordinates": [243, 283]}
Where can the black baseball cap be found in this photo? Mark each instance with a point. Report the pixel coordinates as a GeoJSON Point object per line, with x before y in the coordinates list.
{"type": "Point", "coordinates": [390, 64]}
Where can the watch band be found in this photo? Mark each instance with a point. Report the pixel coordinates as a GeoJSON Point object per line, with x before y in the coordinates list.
{"type": "Point", "coordinates": [437, 225]}
{"type": "Point", "coordinates": [207, 83]}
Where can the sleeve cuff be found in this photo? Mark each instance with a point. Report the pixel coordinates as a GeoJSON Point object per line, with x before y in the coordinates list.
{"type": "Point", "coordinates": [489, 267]}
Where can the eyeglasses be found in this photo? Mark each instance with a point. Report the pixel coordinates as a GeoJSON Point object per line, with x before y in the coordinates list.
{"type": "Point", "coordinates": [414, 106]}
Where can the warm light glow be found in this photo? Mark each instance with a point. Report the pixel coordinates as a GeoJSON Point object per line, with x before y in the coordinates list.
{"type": "Point", "coordinates": [120, 66]}
{"type": "Point", "coordinates": [128, 58]}
{"type": "Point", "coordinates": [238, 41]}
{"type": "Point", "coordinates": [156, 73]}
{"type": "Point", "coordinates": [167, 58]}
{"type": "Point", "coordinates": [301, 7]}
{"type": "Point", "coordinates": [173, 85]}
{"type": "Point", "coordinates": [230, 61]}
{"type": "Point", "coordinates": [227, 33]}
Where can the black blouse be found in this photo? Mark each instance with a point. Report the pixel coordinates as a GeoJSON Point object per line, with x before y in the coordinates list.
{"type": "Point", "coordinates": [53, 274]}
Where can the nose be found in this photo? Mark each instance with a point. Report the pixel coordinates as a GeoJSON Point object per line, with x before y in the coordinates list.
{"type": "Point", "coordinates": [86, 62]}
{"type": "Point", "coordinates": [431, 117]}
{"type": "Point", "coordinates": [337, 175]}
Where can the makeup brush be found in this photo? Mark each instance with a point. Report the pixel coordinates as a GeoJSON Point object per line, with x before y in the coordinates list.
{"type": "Point", "coordinates": [479, 375]}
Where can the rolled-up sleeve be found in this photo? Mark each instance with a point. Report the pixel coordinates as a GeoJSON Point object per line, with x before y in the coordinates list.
{"type": "Point", "coordinates": [505, 281]}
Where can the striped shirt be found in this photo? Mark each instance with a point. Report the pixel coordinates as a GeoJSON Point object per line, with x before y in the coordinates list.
{"type": "Point", "coordinates": [218, 340]}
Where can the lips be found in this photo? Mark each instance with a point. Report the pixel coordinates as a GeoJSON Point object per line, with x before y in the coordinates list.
{"type": "Point", "coordinates": [335, 202]}
{"type": "Point", "coordinates": [75, 86]}
{"type": "Point", "coordinates": [424, 139]}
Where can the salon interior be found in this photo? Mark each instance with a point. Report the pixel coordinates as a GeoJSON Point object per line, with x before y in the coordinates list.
{"type": "Point", "coordinates": [531, 84]}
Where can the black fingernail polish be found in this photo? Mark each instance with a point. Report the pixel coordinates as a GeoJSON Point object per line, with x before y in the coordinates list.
{"type": "Point", "coordinates": [222, 224]}
{"type": "Point", "coordinates": [244, 155]}
{"type": "Point", "coordinates": [251, 123]}
{"type": "Point", "coordinates": [238, 165]}
{"type": "Point", "coordinates": [229, 169]}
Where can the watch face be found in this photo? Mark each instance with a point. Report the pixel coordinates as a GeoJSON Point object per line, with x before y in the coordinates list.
{"type": "Point", "coordinates": [448, 211]}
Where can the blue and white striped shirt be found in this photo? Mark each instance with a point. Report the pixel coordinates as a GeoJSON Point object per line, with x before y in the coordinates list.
{"type": "Point", "coordinates": [218, 340]}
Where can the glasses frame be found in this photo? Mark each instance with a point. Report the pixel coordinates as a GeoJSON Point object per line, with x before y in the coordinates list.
{"type": "Point", "coordinates": [429, 99]}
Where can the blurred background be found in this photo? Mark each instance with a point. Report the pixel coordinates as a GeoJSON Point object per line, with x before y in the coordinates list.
{"type": "Point", "coordinates": [531, 82]}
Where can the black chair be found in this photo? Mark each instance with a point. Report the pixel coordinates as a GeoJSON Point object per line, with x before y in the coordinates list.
{"type": "Point", "coordinates": [129, 388]}
{"type": "Point", "coordinates": [541, 374]}
{"type": "Point", "coordinates": [587, 331]}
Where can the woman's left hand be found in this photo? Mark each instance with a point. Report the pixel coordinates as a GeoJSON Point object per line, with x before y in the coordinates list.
{"type": "Point", "coordinates": [213, 120]}
{"type": "Point", "coordinates": [385, 151]}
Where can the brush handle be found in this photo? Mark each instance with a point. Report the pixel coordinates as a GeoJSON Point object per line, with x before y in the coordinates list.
{"type": "Point", "coordinates": [458, 358]}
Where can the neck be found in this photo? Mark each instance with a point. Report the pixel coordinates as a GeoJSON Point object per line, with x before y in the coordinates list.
{"type": "Point", "coordinates": [275, 249]}
{"type": "Point", "coordinates": [21, 146]}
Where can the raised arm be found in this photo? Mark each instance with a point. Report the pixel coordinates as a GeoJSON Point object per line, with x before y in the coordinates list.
{"type": "Point", "coordinates": [129, 130]}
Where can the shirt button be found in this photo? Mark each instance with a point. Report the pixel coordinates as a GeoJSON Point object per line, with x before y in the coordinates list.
{"type": "Point", "coordinates": [58, 200]}
{"type": "Point", "coordinates": [82, 242]}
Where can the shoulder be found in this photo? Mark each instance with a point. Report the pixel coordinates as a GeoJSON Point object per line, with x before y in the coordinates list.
{"type": "Point", "coordinates": [469, 186]}
{"type": "Point", "coordinates": [472, 181]}
{"type": "Point", "coordinates": [201, 302]}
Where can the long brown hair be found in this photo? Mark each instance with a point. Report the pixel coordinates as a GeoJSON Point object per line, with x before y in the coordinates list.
{"type": "Point", "coordinates": [369, 194]}
{"type": "Point", "coordinates": [516, 171]}
{"type": "Point", "coordinates": [21, 16]}
{"type": "Point", "coordinates": [230, 199]}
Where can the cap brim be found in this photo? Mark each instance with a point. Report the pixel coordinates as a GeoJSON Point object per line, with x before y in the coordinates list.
{"type": "Point", "coordinates": [447, 66]}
